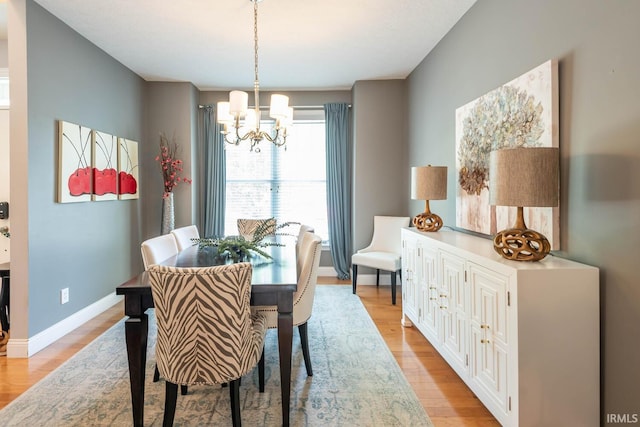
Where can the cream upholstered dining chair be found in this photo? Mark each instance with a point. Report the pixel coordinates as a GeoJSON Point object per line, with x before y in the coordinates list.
{"type": "Point", "coordinates": [154, 251]}
{"type": "Point", "coordinates": [157, 249]}
{"type": "Point", "coordinates": [206, 331]}
{"type": "Point", "coordinates": [248, 227]}
{"type": "Point", "coordinates": [184, 236]}
{"type": "Point", "coordinates": [384, 252]}
{"type": "Point", "coordinates": [303, 229]}
{"type": "Point", "coordinates": [310, 249]}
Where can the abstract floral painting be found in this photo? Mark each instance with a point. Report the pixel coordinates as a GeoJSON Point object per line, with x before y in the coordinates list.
{"type": "Point", "coordinates": [521, 113]}
{"type": "Point", "coordinates": [127, 169]}
{"type": "Point", "coordinates": [74, 163]}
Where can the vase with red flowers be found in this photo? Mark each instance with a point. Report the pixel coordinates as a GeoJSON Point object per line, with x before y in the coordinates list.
{"type": "Point", "coordinates": [172, 174]}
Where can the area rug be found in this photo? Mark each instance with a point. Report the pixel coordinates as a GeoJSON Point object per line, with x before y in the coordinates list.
{"type": "Point", "coordinates": [356, 381]}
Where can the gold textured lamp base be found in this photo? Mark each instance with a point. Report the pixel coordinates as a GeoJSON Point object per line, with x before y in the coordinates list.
{"type": "Point", "coordinates": [427, 221]}
{"type": "Point", "coordinates": [520, 243]}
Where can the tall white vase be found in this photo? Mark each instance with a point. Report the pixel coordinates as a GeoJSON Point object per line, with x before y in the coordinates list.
{"type": "Point", "coordinates": [168, 216]}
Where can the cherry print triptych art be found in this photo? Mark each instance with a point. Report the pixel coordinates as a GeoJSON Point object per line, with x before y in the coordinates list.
{"type": "Point", "coordinates": [94, 165]}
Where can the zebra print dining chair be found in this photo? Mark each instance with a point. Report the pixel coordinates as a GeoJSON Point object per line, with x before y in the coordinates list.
{"type": "Point", "coordinates": [310, 250]}
{"type": "Point", "coordinates": [247, 227]}
{"type": "Point", "coordinates": [206, 331]}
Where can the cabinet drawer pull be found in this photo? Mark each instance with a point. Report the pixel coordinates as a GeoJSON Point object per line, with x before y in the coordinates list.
{"type": "Point", "coordinates": [432, 299]}
{"type": "Point", "coordinates": [444, 307]}
{"type": "Point", "coordinates": [484, 326]}
{"type": "Point", "coordinates": [484, 341]}
{"type": "Point", "coordinates": [443, 295]}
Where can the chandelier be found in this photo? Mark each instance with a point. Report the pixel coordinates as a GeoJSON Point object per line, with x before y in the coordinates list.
{"type": "Point", "coordinates": [230, 113]}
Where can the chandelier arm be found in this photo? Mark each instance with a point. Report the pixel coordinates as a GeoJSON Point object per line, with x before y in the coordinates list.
{"type": "Point", "coordinates": [278, 140]}
{"type": "Point", "coordinates": [268, 137]}
{"type": "Point", "coordinates": [229, 141]}
{"type": "Point", "coordinates": [246, 136]}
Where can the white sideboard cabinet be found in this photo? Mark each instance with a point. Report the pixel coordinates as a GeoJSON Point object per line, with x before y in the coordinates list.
{"type": "Point", "coordinates": [524, 336]}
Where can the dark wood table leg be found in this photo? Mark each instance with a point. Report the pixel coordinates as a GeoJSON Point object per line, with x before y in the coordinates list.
{"type": "Point", "coordinates": [393, 287]}
{"type": "Point", "coordinates": [136, 332]}
{"type": "Point", "coordinates": [4, 300]}
{"type": "Point", "coordinates": [285, 338]}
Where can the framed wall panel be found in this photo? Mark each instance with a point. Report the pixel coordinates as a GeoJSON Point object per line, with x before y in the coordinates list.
{"type": "Point", "coordinates": [127, 169]}
{"type": "Point", "coordinates": [74, 163]}
{"type": "Point", "coordinates": [105, 163]}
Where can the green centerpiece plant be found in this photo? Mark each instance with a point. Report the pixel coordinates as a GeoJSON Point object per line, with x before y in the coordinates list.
{"type": "Point", "coordinates": [237, 248]}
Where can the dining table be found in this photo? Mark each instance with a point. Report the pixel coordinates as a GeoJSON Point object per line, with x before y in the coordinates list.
{"type": "Point", "coordinates": [273, 282]}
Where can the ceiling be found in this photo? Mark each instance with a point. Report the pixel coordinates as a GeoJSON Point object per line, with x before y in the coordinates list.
{"type": "Point", "coordinates": [303, 44]}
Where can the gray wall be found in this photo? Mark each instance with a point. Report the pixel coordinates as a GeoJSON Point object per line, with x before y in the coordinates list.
{"type": "Point", "coordinates": [88, 247]}
{"type": "Point", "coordinates": [4, 54]}
{"type": "Point", "coordinates": [595, 43]}
{"type": "Point", "coordinates": [172, 110]}
{"type": "Point", "coordinates": [380, 176]}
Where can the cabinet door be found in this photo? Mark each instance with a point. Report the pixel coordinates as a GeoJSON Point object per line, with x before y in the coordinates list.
{"type": "Point", "coordinates": [453, 311]}
{"type": "Point", "coordinates": [430, 298]}
{"type": "Point", "coordinates": [488, 326]}
{"type": "Point", "coordinates": [410, 275]}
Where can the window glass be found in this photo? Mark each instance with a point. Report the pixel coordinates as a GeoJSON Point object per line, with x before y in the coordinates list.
{"type": "Point", "coordinates": [4, 90]}
{"type": "Point", "coordinates": [287, 184]}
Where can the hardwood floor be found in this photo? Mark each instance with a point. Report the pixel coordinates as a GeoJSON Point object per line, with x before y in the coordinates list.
{"type": "Point", "coordinates": [447, 400]}
{"type": "Point", "coordinates": [17, 375]}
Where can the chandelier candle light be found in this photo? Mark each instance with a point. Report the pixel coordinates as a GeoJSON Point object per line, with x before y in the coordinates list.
{"type": "Point", "coordinates": [428, 183]}
{"type": "Point", "coordinates": [526, 176]}
{"type": "Point", "coordinates": [230, 113]}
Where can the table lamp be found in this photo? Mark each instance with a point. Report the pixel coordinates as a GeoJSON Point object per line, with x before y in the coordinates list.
{"type": "Point", "coordinates": [525, 176]}
{"type": "Point", "coordinates": [428, 183]}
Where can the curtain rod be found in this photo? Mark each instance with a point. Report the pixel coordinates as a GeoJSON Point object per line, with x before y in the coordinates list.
{"type": "Point", "coordinates": [295, 107]}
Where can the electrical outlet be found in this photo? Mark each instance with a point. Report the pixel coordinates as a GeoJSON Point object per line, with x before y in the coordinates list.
{"type": "Point", "coordinates": [64, 296]}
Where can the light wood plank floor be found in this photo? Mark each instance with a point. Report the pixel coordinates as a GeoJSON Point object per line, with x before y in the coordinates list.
{"type": "Point", "coordinates": [447, 400]}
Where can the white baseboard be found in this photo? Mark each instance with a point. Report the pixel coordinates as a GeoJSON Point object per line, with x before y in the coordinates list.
{"type": "Point", "coordinates": [370, 279]}
{"type": "Point", "coordinates": [327, 272]}
{"type": "Point", "coordinates": [363, 279]}
{"type": "Point", "coordinates": [21, 348]}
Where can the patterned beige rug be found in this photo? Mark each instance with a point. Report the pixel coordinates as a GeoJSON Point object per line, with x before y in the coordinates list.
{"type": "Point", "coordinates": [356, 381]}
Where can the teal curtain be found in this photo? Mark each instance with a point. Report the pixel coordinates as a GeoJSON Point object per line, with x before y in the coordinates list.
{"type": "Point", "coordinates": [215, 172]}
{"type": "Point", "coordinates": [339, 164]}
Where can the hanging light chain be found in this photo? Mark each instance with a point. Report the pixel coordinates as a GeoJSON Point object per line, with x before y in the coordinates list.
{"type": "Point", "coordinates": [255, 38]}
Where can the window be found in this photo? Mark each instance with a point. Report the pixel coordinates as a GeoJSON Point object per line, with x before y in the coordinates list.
{"type": "Point", "coordinates": [4, 88]}
{"type": "Point", "coordinates": [287, 184]}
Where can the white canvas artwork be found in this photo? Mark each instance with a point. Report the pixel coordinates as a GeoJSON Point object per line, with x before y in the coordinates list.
{"type": "Point", "coordinates": [105, 163]}
{"type": "Point", "coordinates": [523, 112]}
{"type": "Point", "coordinates": [127, 169]}
{"type": "Point", "coordinates": [74, 163]}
